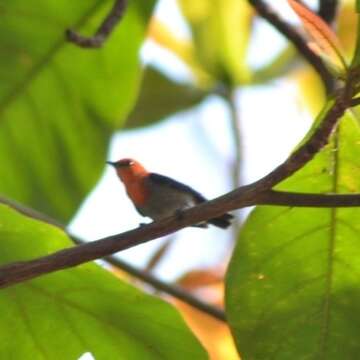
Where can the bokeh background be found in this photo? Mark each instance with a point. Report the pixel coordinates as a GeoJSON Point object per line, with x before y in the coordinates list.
{"type": "Point", "coordinates": [217, 100]}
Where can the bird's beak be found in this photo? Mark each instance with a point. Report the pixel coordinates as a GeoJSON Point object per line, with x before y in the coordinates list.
{"type": "Point", "coordinates": [111, 163]}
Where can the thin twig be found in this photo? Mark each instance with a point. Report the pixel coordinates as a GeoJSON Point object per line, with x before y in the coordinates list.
{"type": "Point", "coordinates": [328, 9]}
{"type": "Point", "coordinates": [236, 135]}
{"type": "Point", "coordinates": [158, 255]}
{"type": "Point", "coordinates": [230, 98]}
{"type": "Point", "coordinates": [297, 40]}
{"type": "Point", "coordinates": [104, 30]}
{"type": "Point", "coordinates": [170, 289]}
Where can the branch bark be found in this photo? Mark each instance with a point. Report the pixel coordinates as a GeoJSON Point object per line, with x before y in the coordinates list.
{"type": "Point", "coordinates": [297, 40]}
{"type": "Point", "coordinates": [244, 196]}
{"type": "Point", "coordinates": [104, 30]}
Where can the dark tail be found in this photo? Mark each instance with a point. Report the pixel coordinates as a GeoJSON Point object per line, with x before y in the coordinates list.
{"type": "Point", "coordinates": [223, 221]}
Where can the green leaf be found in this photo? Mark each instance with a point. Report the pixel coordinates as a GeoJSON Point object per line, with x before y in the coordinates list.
{"type": "Point", "coordinates": [221, 30]}
{"type": "Point", "coordinates": [84, 309]}
{"type": "Point", "coordinates": [159, 98]}
{"type": "Point", "coordinates": [293, 282]}
{"type": "Point", "coordinates": [59, 104]}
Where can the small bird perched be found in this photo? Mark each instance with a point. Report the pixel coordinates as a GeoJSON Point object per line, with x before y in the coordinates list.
{"type": "Point", "coordinates": [157, 196]}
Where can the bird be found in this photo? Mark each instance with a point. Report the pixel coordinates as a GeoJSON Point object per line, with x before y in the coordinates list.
{"type": "Point", "coordinates": [157, 196]}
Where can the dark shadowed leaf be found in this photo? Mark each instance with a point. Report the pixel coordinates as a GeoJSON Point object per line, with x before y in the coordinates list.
{"type": "Point", "coordinates": [84, 309]}
{"type": "Point", "coordinates": [59, 104]}
{"type": "Point", "coordinates": [160, 97]}
{"type": "Point", "coordinates": [293, 283]}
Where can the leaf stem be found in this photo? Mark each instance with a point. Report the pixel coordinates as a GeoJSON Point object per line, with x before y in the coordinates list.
{"type": "Point", "coordinates": [104, 30]}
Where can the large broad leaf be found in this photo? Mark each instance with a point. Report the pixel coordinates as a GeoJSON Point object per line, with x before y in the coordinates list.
{"type": "Point", "coordinates": [221, 30]}
{"type": "Point", "coordinates": [160, 97]}
{"type": "Point", "coordinates": [293, 283]}
{"type": "Point", "coordinates": [59, 103]}
{"type": "Point", "coordinates": [85, 309]}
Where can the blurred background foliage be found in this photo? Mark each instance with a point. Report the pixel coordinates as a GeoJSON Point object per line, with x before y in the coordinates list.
{"type": "Point", "coordinates": [59, 107]}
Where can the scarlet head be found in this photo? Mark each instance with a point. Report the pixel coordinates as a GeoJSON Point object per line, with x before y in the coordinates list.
{"type": "Point", "coordinates": [128, 169]}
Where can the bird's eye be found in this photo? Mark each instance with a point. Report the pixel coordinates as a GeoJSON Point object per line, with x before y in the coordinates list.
{"type": "Point", "coordinates": [131, 163]}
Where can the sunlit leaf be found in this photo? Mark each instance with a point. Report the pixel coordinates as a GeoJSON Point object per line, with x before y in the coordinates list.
{"type": "Point", "coordinates": [325, 42]}
{"type": "Point", "coordinates": [293, 283]}
{"type": "Point", "coordinates": [59, 103]}
{"type": "Point", "coordinates": [84, 309]}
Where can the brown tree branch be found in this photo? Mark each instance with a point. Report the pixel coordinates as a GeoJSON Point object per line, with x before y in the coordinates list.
{"type": "Point", "coordinates": [104, 30]}
{"type": "Point", "coordinates": [244, 196]}
{"type": "Point", "coordinates": [328, 9]}
{"type": "Point", "coordinates": [266, 198]}
{"type": "Point", "coordinates": [297, 40]}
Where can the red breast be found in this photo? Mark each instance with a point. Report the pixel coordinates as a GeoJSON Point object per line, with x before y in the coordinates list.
{"type": "Point", "coordinates": [133, 175]}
